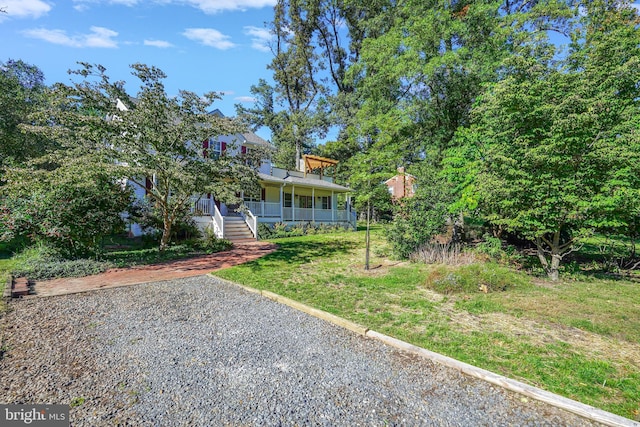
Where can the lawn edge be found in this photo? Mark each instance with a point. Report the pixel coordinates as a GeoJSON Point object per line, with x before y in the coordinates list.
{"type": "Point", "coordinates": [569, 405]}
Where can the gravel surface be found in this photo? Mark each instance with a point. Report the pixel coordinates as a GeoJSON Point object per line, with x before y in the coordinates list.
{"type": "Point", "coordinates": [199, 352]}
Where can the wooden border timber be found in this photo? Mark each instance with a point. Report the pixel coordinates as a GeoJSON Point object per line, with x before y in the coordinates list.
{"type": "Point", "coordinates": [581, 409]}
{"type": "Point", "coordinates": [585, 411]}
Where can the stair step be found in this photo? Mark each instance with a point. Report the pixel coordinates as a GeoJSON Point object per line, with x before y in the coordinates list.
{"type": "Point", "coordinates": [236, 229]}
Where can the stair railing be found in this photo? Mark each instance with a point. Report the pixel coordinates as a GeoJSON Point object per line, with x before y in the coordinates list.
{"type": "Point", "coordinates": [251, 220]}
{"type": "Point", "coordinates": [218, 222]}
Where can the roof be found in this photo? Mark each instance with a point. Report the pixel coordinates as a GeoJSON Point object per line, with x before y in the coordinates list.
{"type": "Point", "coordinates": [254, 139]}
{"type": "Point", "coordinates": [304, 182]}
{"type": "Point", "coordinates": [406, 175]}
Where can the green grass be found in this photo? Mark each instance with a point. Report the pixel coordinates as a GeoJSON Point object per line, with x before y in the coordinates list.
{"type": "Point", "coordinates": [521, 327]}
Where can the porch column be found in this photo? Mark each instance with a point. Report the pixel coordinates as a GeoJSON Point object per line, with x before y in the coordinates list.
{"type": "Point", "coordinates": [282, 203]}
{"type": "Point", "coordinates": [333, 208]}
{"type": "Point", "coordinates": [313, 204]}
{"type": "Point", "coordinates": [293, 203]}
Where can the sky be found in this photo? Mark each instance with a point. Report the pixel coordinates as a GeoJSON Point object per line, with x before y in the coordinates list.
{"type": "Point", "coordinates": [202, 45]}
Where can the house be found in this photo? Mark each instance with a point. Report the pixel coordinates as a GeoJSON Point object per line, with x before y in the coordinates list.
{"type": "Point", "coordinates": [304, 196]}
{"type": "Point", "coordinates": [401, 185]}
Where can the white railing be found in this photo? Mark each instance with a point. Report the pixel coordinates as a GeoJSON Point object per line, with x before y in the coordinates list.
{"type": "Point", "coordinates": [218, 222]}
{"type": "Point", "coordinates": [201, 206]}
{"type": "Point", "coordinates": [264, 209]}
{"type": "Point", "coordinates": [251, 220]}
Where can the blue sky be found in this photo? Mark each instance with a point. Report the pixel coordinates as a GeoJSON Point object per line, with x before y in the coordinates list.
{"type": "Point", "coordinates": [202, 45]}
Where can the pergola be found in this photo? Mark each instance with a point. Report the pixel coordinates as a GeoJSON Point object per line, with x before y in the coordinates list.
{"type": "Point", "coordinates": [316, 162]}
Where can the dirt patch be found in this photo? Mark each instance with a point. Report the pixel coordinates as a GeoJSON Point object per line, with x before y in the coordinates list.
{"type": "Point", "coordinates": [239, 254]}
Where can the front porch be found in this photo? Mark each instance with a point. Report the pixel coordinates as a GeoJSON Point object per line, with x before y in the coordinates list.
{"type": "Point", "coordinates": [272, 212]}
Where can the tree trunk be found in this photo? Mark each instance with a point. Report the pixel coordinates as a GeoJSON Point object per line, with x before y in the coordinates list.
{"type": "Point", "coordinates": [551, 268]}
{"type": "Point", "coordinates": [554, 271]}
{"type": "Point", "coordinates": [166, 233]}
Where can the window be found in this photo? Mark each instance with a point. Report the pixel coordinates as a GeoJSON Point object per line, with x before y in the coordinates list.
{"type": "Point", "coordinates": [305, 202]}
{"type": "Point", "coordinates": [216, 149]}
{"type": "Point", "coordinates": [255, 197]}
{"type": "Point", "coordinates": [213, 148]}
{"type": "Point", "coordinates": [286, 202]}
{"type": "Point", "coordinates": [324, 202]}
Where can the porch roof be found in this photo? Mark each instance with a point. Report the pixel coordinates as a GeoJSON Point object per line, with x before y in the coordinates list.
{"type": "Point", "coordinates": [304, 182]}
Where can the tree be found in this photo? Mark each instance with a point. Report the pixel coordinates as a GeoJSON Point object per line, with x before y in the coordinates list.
{"type": "Point", "coordinates": [417, 220]}
{"type": "Point", "coordinates": [22, 94]}
{"type": "Point", "coordinates": [315, 43]}
{"type": "Point", "coordinates": [160, 138]}
{"type": "Point", "coordinates": [70, 206]}
{"type": "Point", "coordinates": [558, 141]}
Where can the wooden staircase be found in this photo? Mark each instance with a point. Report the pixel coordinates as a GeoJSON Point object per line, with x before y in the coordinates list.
{"type": "Point", "coordinates": [236, 230]}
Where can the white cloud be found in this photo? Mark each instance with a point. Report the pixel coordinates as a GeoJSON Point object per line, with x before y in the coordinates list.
{"type": "Point", "coordinates": [209, 37]}
{"type": "Point", "coordinates": [157, 43]}
{"type": "Point", "coordinates": [98, 37]}
{"type": "Point", "coordinates": [24, 8]}
{"type": "Point", "coordinates": [207, 6]}
{"type": "Point", "coordinates": [260, 38]}
{"type": "Point", "coordinates": [215, 6]}
{"type": "Point", "coordinates": [245, 99]}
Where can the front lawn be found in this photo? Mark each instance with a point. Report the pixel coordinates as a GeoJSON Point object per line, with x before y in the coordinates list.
{"type": "Point", "coordinates": [579, 338]}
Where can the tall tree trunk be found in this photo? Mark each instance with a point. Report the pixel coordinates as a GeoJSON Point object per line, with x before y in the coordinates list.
{"type": "Point", "coordinates": [166, 232]}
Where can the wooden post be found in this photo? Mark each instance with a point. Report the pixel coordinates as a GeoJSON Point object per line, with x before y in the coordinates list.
{"type": "Point", "coordinates": [366, 257]}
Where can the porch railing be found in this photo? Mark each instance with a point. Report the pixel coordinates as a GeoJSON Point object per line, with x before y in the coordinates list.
{"type": "Point", "coordinates": [264, 209]}
{"type": "Point", "coordinates": [201, 206]}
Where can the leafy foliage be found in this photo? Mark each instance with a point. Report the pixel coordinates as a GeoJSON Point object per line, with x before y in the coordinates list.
{"type": "Point", "coordinates": [557, 142]}
{"type": "Point", "coordinates": [23, 92]}
{"type": "Point", "coordinates": [157, 139]}
{"type": "Point", "coordinates": [70, 207]}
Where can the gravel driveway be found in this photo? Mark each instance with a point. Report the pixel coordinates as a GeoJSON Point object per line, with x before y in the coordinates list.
{"type": "Point", "coordinates": [199, 352]}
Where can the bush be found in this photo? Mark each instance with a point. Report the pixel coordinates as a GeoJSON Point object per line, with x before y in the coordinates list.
{"type": "Point", "coordinates": [150, 219]}
{"type": "Point", "coordinates": [42, 262]}
{"type": "Point", "coordinates": [62, 268]}
{"type": "Point", "coordinates": [281, 230]}
{"type": "Point", "coordinates": [443, 253]}
{"type": "Point", "coordinates": [494, 248]}
{"type": "Point", "coordinates": [210, 243]}
{"type": "Point", "coordinates": [486, 277]}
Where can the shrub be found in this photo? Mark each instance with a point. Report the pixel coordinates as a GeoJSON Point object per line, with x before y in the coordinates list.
{"type": "Point", "coordinates": [65, 268]}
{"type": "Point", "coordinates": [210, 243]}
{"type": "Point", "coordinates": [485, 277]}
{"type": "Point", "coordinates": [443, 253]}
{"type": "Point", "coordinates": [149, 217]}
{"type": "Point", "coordinates": [281, 230]}
{"type": "Point", "coordinates": [494, 248]}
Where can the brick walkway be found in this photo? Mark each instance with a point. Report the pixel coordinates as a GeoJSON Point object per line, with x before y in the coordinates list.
{"type": "Point", "coordinates": [241, 253]}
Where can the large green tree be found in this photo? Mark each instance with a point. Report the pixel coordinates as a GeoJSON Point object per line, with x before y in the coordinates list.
{"type": "Point", "coordinates": [155, 139]}
{"type": "Point", "coordinates": [69, 203]}
{"type": "Point", "coordinates": [556, 140]}
{"type": "Point", "coordinates": [161, 137]}
{"type": "Point", "coordinates": [23, 93]}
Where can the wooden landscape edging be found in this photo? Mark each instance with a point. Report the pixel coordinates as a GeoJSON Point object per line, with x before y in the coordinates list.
{"type": "Point", "coordinates": [569, 405]}
{"type": "Point", "coordinates": [586, 411]}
